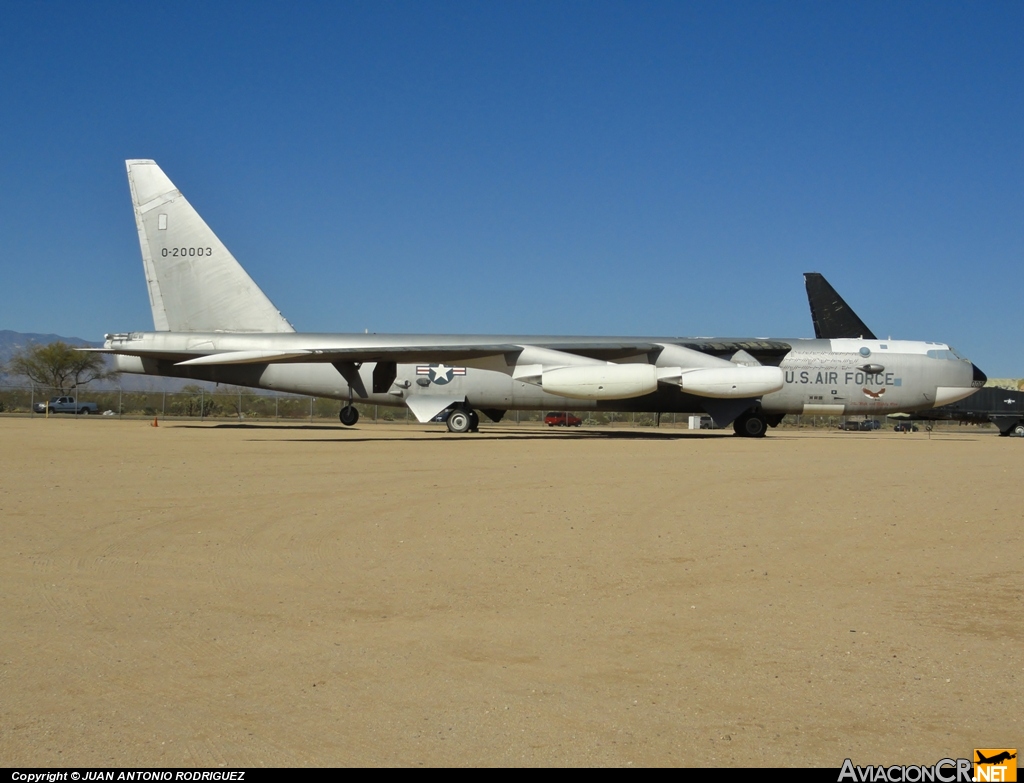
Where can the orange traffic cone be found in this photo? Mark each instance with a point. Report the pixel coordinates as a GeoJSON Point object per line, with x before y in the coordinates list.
{"type": "Point", "coordinates": [155, 422]}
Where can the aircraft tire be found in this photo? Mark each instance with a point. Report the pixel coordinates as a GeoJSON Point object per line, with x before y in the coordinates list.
{"type": "Point", "coordinates": [751, 425]}
{"type": "Point", "coordinates": [349, 415]}
{"type": "Point", "coordinates": [474, 421]}
{"type": "Point", "coordinates": [459, 421]}
{"type": "Point", "coordinates": [1019, 430]}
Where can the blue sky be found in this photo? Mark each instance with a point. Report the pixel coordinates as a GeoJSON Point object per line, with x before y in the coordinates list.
{"type": "Point", "coordinates": [569, 168]}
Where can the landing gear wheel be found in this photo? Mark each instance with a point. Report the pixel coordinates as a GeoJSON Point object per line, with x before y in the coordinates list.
{"type": "Point", "coordinates": [474, 421]}
{"type": "Point", "coordinates": [1019, 430]}
{"type": "Point", "coordinates": [751, 425]}
{"type": "Point", "coordinates": [349, 415]}
{"type": "Point", "coordinates": [459, 421]}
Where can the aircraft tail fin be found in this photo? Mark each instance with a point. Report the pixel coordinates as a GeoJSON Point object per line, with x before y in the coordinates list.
{"type": "Point", "coordinates": [833, 318]}
{"type": "Point", "coordinates": [195, 284]}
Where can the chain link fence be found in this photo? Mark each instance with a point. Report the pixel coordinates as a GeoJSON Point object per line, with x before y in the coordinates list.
{"type": "Point", "coordinates": [191, 402]}
{"type": "Point", "coordinates": [202, 403]}
{"type": "Point", "coordinates": [248, 405]}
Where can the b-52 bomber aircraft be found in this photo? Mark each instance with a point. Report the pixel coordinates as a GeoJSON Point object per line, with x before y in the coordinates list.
{"type": "Point", "coordinates": [213, 323]}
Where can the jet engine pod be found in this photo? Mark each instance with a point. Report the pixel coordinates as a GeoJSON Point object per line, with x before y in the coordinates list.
{"type": "Point", "coordinates": [729, 382]}
{"type": "Point", "coordinates": [602, 381]}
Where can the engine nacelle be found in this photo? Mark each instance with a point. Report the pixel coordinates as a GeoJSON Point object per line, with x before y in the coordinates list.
{"type": "Point", "coordinates": [732, 382]}
{"type": "Point", "coordinates": [602, 381]}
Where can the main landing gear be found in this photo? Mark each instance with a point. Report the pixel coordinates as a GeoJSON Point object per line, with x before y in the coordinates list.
{"type": "Point", "coordinates": [460, 421]}
{"type": "Point", "coordinates": [751, 424]}
{"type": "Point", "coordinates": [349, 415]}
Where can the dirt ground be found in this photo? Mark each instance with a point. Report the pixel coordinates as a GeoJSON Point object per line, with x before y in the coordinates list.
{"type": "Point", "coordinates": [203, 595]}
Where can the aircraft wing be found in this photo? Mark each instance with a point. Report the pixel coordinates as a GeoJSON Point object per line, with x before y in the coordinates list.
{"type": "Point", "coordinates": [601, 368]}
{"type": "Point", "coordinates": [329, 355]}
{"type": "Point", "coordinates": [764, 351]}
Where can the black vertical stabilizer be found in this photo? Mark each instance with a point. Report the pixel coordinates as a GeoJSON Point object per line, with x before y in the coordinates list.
{"type": "Point", "coordinates": [833, 318]}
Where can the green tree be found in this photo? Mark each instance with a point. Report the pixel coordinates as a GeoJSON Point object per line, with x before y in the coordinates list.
{"type": "Point", "coordinates": [59, 366]}
{"type": "Point", "coordinates": [197, 402]}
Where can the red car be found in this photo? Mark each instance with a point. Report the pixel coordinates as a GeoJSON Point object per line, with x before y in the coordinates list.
{"type": "Point", "coordinates": [562, 420]}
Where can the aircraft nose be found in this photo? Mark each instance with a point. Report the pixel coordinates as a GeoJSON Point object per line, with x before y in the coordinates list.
{"type": "Point", "coordinates": [979, 377]}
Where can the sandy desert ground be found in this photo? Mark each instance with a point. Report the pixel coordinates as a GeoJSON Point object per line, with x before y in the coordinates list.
{"type": "Point", "coordinates": [203, 595]}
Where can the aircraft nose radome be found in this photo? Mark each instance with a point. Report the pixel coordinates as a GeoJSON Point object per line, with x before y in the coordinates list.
{"type": "Point", "coordinates": [944, 395]}
{"type": "Point", "coordinates": [979, 377]}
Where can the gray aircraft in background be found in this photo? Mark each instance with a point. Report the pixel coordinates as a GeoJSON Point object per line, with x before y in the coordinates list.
{"type": "Point", "coordinates": [213, 323]}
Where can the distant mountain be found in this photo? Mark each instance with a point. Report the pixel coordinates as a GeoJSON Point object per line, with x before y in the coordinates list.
{"type": "Point", "coordinates": [12, 342]}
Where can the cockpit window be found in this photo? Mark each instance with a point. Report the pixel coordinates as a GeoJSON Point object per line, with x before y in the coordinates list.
{"type": "Point", "coordinates": [951, 355]}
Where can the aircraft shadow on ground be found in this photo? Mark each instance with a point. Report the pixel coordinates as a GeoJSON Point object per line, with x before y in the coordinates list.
{"type": "Point", "coordinates": [359, 436]}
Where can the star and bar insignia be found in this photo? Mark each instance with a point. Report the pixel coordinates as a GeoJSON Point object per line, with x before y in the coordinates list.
{"type": "Point", "coordinates": [439, 373]}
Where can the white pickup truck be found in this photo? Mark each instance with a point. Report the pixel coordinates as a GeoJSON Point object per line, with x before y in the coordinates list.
{"type": "Point", "coordinates": [66, 405]}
